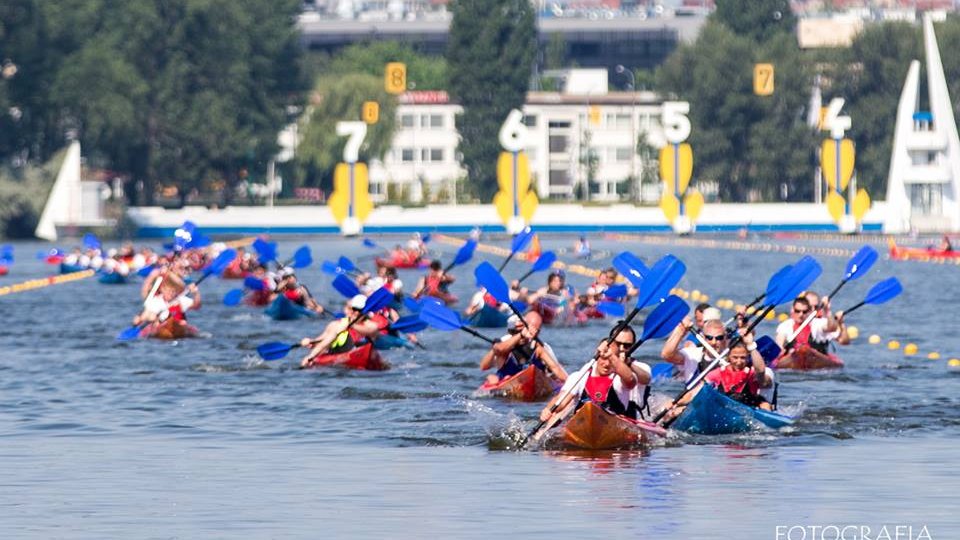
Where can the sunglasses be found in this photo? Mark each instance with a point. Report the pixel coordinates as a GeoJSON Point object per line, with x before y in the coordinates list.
{"type": "Point", "coordinates": [801, 311]}
{"type": "Point", "coordinates": [714, 338]}
{"type": "Point", "coordinates": [624, 343]}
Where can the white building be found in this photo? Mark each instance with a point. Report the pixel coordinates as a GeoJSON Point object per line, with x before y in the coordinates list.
{"type": "Point", "coordinates": [566, 132]}
{"type": "Point", "coordinates": [923, 187]}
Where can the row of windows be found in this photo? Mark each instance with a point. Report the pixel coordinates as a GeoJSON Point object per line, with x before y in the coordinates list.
{"type": "Point", "coordinates": [424, 121]}
{"type": "Point", "coordinates": [427, 155]}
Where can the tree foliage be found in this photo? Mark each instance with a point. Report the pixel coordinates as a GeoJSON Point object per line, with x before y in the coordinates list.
{"type": "Point", "coordinates": [758, 20]}
{"type": "Point", "coordinates": [424, 72]}
{"type": "Point", "coordinates": [340, 98]}
{"type": "Point", "coordinates": [490, 56]}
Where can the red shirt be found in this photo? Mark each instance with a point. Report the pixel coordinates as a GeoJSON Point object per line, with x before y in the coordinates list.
{"type": "Point", "coordinates": [729, 380]}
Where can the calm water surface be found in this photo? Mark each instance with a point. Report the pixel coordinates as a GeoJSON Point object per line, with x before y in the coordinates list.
{"type": "Point", "coordinates": [199, 438]}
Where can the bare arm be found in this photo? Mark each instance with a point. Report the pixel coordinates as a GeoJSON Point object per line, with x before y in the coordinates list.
{"type": "Point", "coordinates": [671, 349]}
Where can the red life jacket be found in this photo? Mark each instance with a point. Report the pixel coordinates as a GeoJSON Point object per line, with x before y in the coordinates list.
{"type": "Point", "coordinates": [176, 312]}
{"type": "Point", "coordinates": [489, 300]}
{"type": "Point", "coordinates": [729, 380]}
{"type": "Point", "coordinates": [803, 338]}
{"type": "Point", "coordinates": [294, 295]}
{"type": "Point", "coordinates": [433, 284]}
{"type": "Point", "coordinates": [598, 387]}
{"type": "Point", "coordinates": [381, 321]}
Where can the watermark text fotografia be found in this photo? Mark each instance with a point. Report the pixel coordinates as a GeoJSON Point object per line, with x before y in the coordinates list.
{"type": "Point", "coordinates": [853, 532]}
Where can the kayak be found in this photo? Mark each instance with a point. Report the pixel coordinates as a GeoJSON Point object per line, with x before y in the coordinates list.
{"type": "Point", "coordinates": [919, 254]}
{"type": "Point", "coordinates": [4, 270]}
{"type": "Point", "coordinates": [531, 384]}
{"type": "Point", "coordinates": [558, 315]}
{"type": "Point", "coordinates": [258, 298]}
{"type": "Point", "coordinates": [233, 272]}
{"type": "Point", "coordinates": [712, 413]}
{"type": "Point", "coordinates": [404, 263]}
{"type": "Point", "coordinates": [805, 358]}
{"type": "Point", "coordinates": [590, 312]}
{"type": "Point", "coordinates": [70, 268]}
{"type": "Point", "coordinates": [364, 357]}
{"type": "Point", "coordinates": [593, 428]}
{"type": "Point", "coordinates": [284, 309]}
{"type": "Point", "coordinates": [112, 278]}
{"type": "Point", "coordinates": [169, 329]}
{"type": "Point", "coordinates": [387, 341]}
{"type": "Point", "coordinates": [489, 317]}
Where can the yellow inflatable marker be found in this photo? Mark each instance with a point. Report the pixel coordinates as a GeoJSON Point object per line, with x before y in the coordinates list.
{"type": "Point", "coordinates": [837, 159]}
{"type": "Point", "coordinates": [893, 345]}
{"type": "Point", "coordinates": [861, 203]}
{"type": "Point", "coordinates": [676, 167]}
{"type": "Point", "coordinates": [910, 349]}
{"type": "Point", "coordinates": [874, 339]}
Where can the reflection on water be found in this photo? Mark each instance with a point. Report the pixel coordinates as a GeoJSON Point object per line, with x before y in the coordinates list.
{"type": "Point", "coordinates": [199, 438]}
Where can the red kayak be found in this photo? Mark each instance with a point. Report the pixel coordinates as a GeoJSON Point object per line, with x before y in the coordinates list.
{"type": "Point", "coordinates": [233, 272]}
{"type": "Point", "coordinates": [169, 329]}
{"type": "Point", "coordinates": [531, 384]}
{"type": "Point", "coordinates": [554, 315]}
{"type": "Point", "coordinates": [402, 263]}
{"type": "Point", "coordinates": [806, 358]}
{"type": "Point", "coordinates": [4, 270]}
{"type": "Point", "coordinates": [364, 357]}
{"type": "Point", "coordinates": [920, 254]}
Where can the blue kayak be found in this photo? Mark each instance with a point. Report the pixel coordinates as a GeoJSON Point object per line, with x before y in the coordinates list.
{"type": "Point", "coordinates": [284, 309]}
{"type": "Point", "coordinates": [489, 317]}
{"type": "Point", "coordinates": [387, 341]}
{"type": "Point", "coordinates": [712, 413]}
{"type": "Point", "coordinates": [70, 268]}
{"type": "Point", "coordinates": [112, 278]}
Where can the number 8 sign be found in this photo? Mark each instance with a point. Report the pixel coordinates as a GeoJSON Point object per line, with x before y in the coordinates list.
{"type": "Point", "coordinates": [395, 78]}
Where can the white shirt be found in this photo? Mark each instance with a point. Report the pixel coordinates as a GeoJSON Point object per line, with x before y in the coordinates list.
{"type": "Point", "coordinates": [818, 330]}
{"type": "Point", "coordinates": [767, 392]}
{"type": "Point", "coordinates": [576, 383]}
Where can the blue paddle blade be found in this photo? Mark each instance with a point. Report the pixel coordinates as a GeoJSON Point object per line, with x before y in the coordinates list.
{"type": "Point", "coordinates": [346, 264]}
{"type": "Point", "coordinates": [465, 252]}
{"type": "Point", "coordinates": [883, 291]}
{"type": "Point", "coordinates": [380, 299]}
{"type": "Point", "coordinates": [266, 251]}
{"type": "Point", "coordinates": [90, 241]}
{"type": "Point", "coordinates": [613, 309]}
{"type": "Point", "coordinates": [491, 280]}
{"type": "Point", "coordinates": [6, 254]}
{"type": "Point", "coordinates": [145, 271]}
{"type": "Point", "coordinates": [519, 306]}
{"type": "Point", "coordinates": [774, 280]}
{"type": "Point", "coordinates": [302, 258]}
{"type": "Point", "coordinates": [544, 261]}
{"type": "Point", "coordinates": [370, 243]}
{"type": "Point", "coordinates": [189, 226]}
{"type": "Point", "coordinates": [800, 276]}
{"type": "Point", "coordinates": [663, 370]}
{"type": "Point", "coordinates": [345, 286]}
{"type": "Point", "coordinates": [273, 350]}
{"type": "Point", "coordinates": [253, 283]}
{"type": "Point", "coordinates": [409, 324]}
{"type": "Point", "coordinates": [663, 277]}
{"type": "Point", "coordinates": [521, 240]}
{"type": "Point", "coordinates": [425, 238]}
{"type": "Point", "coordinates": [233, 297]}
{"type": "Point", "coordinates": [220, 263]}
{"type": "Point", "coordinates": [130, 333]}
{"type": "Point", "coordinates": [767, 348]}
{"type": "Point", "coordinates": [625, 265]}
{"type": "Point", "coordinates": [860, 263]}
{"type": "Point", "coordinates": [616, 292]}
{"type": "Point", "coordinates": [665, 317]}
{"type": "Point", "coordinates": [440, 317]}
{"type": "Point", "coordinates": [328, 267]}
{"type": "Point", "coordinates": [198, 241]}
{"type": "Point", "coordinates": [411, 304]}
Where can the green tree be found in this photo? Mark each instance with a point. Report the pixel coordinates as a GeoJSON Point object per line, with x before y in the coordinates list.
{"type": "Point", "coordinates": [490, 56]}
{"type": "Point", "coordinates": [423, 72]}
{"type": "Point", "coordinates": [340, 98]}
{"type": "Point", "coordinates": [758, 20]}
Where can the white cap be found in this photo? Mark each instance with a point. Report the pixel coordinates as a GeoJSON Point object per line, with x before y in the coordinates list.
{"type": "Point", "coordinates": [512, 321]}
{"type": "Point", "coordinates": [286, 271]}
{"type": "Point", "coordinates": [711, 314]}
{"type": "Point", "coordinates": [358, 301]}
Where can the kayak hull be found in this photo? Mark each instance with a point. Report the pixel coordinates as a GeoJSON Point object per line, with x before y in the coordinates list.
{"type": "Point", "coordinates": [807, 359]}
{"type": "Point", "coordinates": [4, 270]}
{"type": "Point", "coordinates": [112, 278]}
{"type": "Point", "coordinates": [712, 413]}
{"type": "Point", "coordinates": [386, 341]}
{"type": "Point", "coordinates": [284, 309]}
{"type": "Point", "coordinates": [920, 254]}
{"type": "Point", "coordinates": [559, 315]}
{"type": "Point", "coordinates": [531, 384]}
{"type": "Point", "coordinates": [364, 357]}
{"type": "Point", "coordinates": [70, 268]}
{"type": "Point", "coordinates": [489, 317]}
{"type": "Point", "coordinates": [170, 329]}
{"type": "Point", "coordinates": [233, 272]}
{"type": "Point", "coordinates": [593, 428]}
{"type": "Point", "coordinates": [401, 264]}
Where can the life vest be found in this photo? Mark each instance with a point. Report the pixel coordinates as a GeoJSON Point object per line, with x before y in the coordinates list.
{"type": "Point", "coordinates": [804, 339]}
{"type": "Point", "coordinates": [599, 390]}
{"type": "Point", "coordinates": [489, 300]}
{"type": "Point", "coordinates": [518, 360]}
{"type": "Point", "coordinates": [740, 385]}
{"type": "Point", "coordinates": [294, 295]}
{"type": "Point", "coordinates": [176, 312]}
{"type": "Point", "coordinates": [345, 340]}
{"type": "Point", "coordinates": [435, 285]}
{"type": "Point", "coordinates": [382, 322]}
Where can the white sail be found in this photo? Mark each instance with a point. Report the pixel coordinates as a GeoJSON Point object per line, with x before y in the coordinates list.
{"type": "Point", "coordinates": [63, 204]}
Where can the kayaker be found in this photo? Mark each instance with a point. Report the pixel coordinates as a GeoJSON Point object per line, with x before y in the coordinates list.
{"type": "Point", "coordinates": [337, 338]}
{"type": "Point", "coordinates": [169, 302]}
{"type": "Point", "coordinates": [815, 337]}
{"type": "Point", "coordinates": [296, 292]}
{"type": "Point", "coordinates": [480, 300]}
{"type": "Point", "coordinates": [609, 382]}
{"type": "Point", "coordinates": [690, 360]}
{"type": "Point", "coordinates": [436, 284]}
{"type": "Point", "coordinates": [554, 295]}
{"type": "Point", "coordinates": [742, 379]}
{"type": "Point", "coordinates": [945, 245]}
{"type": "Point", "coordinates": [582, 247]}
{"type": "Point", "coordinates": [519, 348]}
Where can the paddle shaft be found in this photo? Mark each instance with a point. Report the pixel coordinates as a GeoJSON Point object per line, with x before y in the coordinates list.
{"type": "Point", "coordinates": [813, 313]}
{"type": "Point", "coordinates": [473, 332]}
